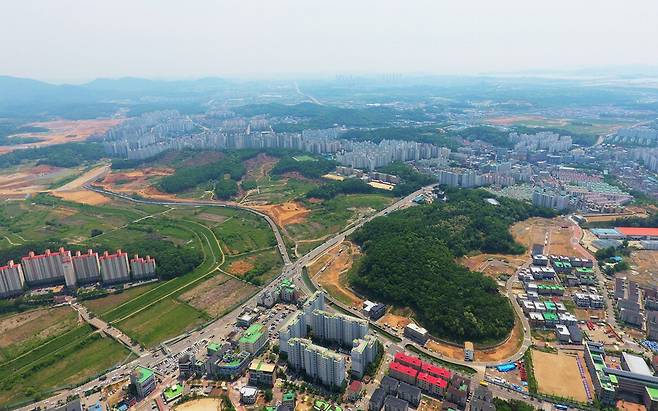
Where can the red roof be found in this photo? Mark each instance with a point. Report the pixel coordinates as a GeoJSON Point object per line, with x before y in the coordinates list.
{"type": "Point", "coordinates": [403, 369]}
{"type": "Point", "coordinates": [439, 382]}
{"type": "Point", "coordinates": [408, 359]}
{"type": "Point", "coordinates": [436, 371]}
{"type": "Point", "coordinates": [638, 231]}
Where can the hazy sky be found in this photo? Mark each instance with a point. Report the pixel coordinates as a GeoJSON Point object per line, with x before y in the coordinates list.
{"type": "Point", "coordinates": [76, 40]}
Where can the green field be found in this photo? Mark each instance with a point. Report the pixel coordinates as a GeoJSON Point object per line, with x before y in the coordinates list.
{"type": "Point", "coordinates": [161, 321]}
{"type": "Point", "coordinates": [304, 157]}
{"type": "Point", "coordinates": [244, 232]}
{"type": "Point", "coordinates": [266, 265]}
{"type": "Point", "coordinates": [68, 359]}
{"type": "Point", "coordinates": [332, 216]}
{"type": "Point", "coordinates": [280, 190]}
{"type": "Point", "coordinates": [105, 304]}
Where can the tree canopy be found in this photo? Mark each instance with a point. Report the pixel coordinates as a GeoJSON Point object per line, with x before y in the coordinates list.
{"type": "Point", "coordinates": [410, 261]}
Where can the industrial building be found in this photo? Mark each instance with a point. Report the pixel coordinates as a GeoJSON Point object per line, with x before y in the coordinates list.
{"type": "Point", "coordinates": [12, 280]}
{"type": "Point", "coordinates": [317, 362]}
{"type": "Point", "coordinates": [364, 352]}
{"type": "Point", "coordinates": [114, 267]}
{"type": "Point", "coordinates": [144, 381]}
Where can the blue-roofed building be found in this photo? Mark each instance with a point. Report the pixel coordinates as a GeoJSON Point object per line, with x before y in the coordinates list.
{"type": "Point", "coordinates": [96, 407]}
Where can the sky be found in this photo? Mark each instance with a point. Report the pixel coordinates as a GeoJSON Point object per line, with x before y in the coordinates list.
{"type": "Point", "coordinates": [78, 40]}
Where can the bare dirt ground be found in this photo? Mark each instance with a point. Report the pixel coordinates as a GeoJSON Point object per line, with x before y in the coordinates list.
{"type": "Point", "coordinates": [241, 267]}
{"type": "Point", "coordinates": [493, 265]}
{"type": "Point", "coordinates": [552, 370]}
{"type": "Point", "coordinates": [136, 181]}
{"type": "Point", "coordinates": [395, 321]}
{"type": "Point", "coordinates": [203, 404]}
{"type": "Point", "coordinates": [215, 218]}
{"type": "Point", "coordinates": [285, 213]}
{"type": "Point", "coordinates": [329, 270]}
{"type": "Point", "coordinates": [644, 267]}
{"type": "Point", "coordinates": [89, 176]}
{"type": "Point", "coordinates": [218, 294]}
{"type": "Point", "coordinates": [30, 180]}
{"type": "Point", "coordinates": [510, 120]}
{"type": "Point", "coordinates": [65, 131]}
{"type": "Point", "coordinates": [259, 167]}
{"type": "Point", "coordinates": [83, 197]}
{"type": "Point", "coordinates": [558, 236]}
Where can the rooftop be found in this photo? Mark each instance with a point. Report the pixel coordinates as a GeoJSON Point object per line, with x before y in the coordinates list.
{"type": "Point", "coordinates": [252, 334]}
{"type": "Point", "coordinates": [639, 231]}
{"type": "Point", "coordinates": [259, 365]}
{"type": "Point", "coordinates": [142, 374]}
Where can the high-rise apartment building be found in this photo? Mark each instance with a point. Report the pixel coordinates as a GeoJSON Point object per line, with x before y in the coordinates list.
{"type": "Point", "coordinates": [49, 268]}
{"type": "Point", "coordinates": [87, 267]}
{"type": "Point", "coordinates": [364, 352]}
{"type": "Point", "coordinates": [12, 279]}
{"type": "Point", "coordinates": [317, 362]}
{"type": "Point", "coordinates": [114, 267]}
{"type": "Point", "coordinates": [142, 268]}
{"type": "Point", "coordinates": [338, 327]}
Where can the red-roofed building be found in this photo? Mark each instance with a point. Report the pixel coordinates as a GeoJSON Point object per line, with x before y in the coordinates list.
{"type": "Point", "coordinates": [436, 371]}
{"type": "Point", "coordinates": [402, 372]}
{"type": "Point", "coordinates": [12, 280]}
{"type": "Point", "coordinates": [114, 267]}
{"type": "Point", "coordinates": [431, 384]}
{"type": "Point", "coordinates": [408, 360]}
{"type": "Point", "coordinates": [638, 233]}
{"type": "Point", "coordinates": [142, 267]}
{"type": "Point", "coordinates": [355, 390]}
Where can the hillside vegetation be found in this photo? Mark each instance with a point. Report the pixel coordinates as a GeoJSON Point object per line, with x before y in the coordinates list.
{"type": "Point", "coordinates": [410, 261]}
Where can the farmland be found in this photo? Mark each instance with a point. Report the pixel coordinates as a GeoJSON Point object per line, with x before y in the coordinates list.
{"type": "Point", "coordinates": [219, 294]}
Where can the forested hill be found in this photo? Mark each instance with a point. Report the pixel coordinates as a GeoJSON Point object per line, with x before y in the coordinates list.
{"type": "Point", "coordinates": [410, 261]}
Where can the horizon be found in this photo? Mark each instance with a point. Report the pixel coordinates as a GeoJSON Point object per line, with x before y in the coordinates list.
{"type": "Point", "coordinates": [264, 39]}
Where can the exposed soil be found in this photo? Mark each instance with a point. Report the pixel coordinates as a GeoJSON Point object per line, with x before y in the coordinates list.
{"type": "Point", "coordinates": [83, 197]}
{"type": "Point", "coordinates": [644, 264]}
{"type": "Point", "coordinates": [241, 267]}
{"type": "Point", "coordinates": [259, 167]}
{"type": "Point", "coordinates": [285, 213]}
{"type": "Point", "coordinates": [40, 323]}
{"type": "Point", "coordinates": [329, 272]}
{"type": "Point", "coordinates": [64, 131]}
{"type": "Point", "coordinates": [552, 370]}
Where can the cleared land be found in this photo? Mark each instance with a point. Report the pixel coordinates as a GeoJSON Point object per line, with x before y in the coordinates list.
{"type": "Point", "coordinates": [203, 404]}
{"type": "Point", "coordinates": [64, 131]}
{"type": "Point", "coordinates": [218, 294]}
{"type": "Point", "coordinates": [643, 267]}
{"type": "Point", "coordinates": [134, 181]}
{"type": "Point", "coordinates": [551, 372]}
{"type": "Point", "coordinates": [83, 197]}
{"type": "Point", "coordinates": [23, 180]}
{"type": "Point", "coordinates": [329, 271]}
{"type": "Point", "coordinates": [558, 235]}
{"type": "Point", "coordinates": [286, 213]}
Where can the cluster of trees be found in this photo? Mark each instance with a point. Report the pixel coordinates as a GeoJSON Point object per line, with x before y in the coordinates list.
{"type": "Point", "coordinates": [309, 169]}
{"type": "Point", "coordinates": [410, 179]}
{"type": "Point", "coordinates": [61, 155]}
{"type": "Point", "coordinates": [410, 261]}
{"type": "Point", "coordinates": [511, 405]}
{"type": "Point", "coordinates": [348, 186]}
{"type": "Point", "coordinates": [172, 260]}
{"type": "Point", "coordinates": [189, 177]}
{"type": "Point", "coordinates": [225, 188]}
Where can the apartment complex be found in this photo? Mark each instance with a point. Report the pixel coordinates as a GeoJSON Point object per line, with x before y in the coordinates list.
{"type": "Point", "coordinates": [364, 352]}
{"type": "Point", "coordinates": [76, 269]}
{"type": "Point", "coordinates": [12, 280]}
{"type": "Point", "coordinates": [338, 327]}
{"type": "Point", "coordinates": [322, 364]}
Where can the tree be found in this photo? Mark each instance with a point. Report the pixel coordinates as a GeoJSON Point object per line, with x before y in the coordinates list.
{"type": "Point", "coordinates": [95, 232]}
{"type": "Point", "coordinates": [268, 395]}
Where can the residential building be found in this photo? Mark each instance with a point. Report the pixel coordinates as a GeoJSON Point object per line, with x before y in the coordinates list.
{"type": "Point", "coordinates": [248, 395]}
{"type": "Point", "coordinates": [144, 381]}
{"type": "Point", "coordinates": [392, 403]}
{"type": "Point", "coordinates": [364, 352]}
{"type": "Point", "coordinates": [469, 351]}
{"type": "Point", "coordinates": [482, 399]}
{"type": "Point", "coordinates": [261, 373]}
{"type": "Point", "coordinates": [253, 339]}
{"type": "Point", "coordinates": [431, 384]}
{"type": "Point", "coordinates": [317, 362]}
{"type": "Point", "coordinates": [114, 267]}
{"type": "Point", "coordinates": [402, 372]}
{"type": "Point", "coordinates": [48, 268]}
{"type": "Point", "coordinates": [337, 327]}
{"type": "Point", "coordinates": [288, 399]}
{"type": "Point", "coordinates": [294, 327]}
{"type": "Point", "coordinates": [87, 267]}
{"type": "Point", "coordinates": [652, 325]}
{"type": "Point", "coordinates": [376, 401]}
{"type": "Point", "coordinates": [409, 393]}
{"type": "Point", "coordinates": [142, 268]}
{"type": "Point", "coordinates": [12, 280]}
{"type": "Point", "coordinates": [389, 385]}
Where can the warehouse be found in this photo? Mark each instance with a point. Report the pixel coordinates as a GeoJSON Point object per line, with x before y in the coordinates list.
{"type": "Point", "coordinates": [638, 233]}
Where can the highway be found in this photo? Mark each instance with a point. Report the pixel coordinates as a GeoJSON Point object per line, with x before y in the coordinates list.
{"type": "Point", "coordinates": [219, 328]}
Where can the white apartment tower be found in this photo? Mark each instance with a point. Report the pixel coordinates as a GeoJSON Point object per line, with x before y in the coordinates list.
{"type": "Point", "coordinates": [87, 267]}
{"type": "Point", "coordinates": [48, 268]}
{"type": "Point", "coordinates": [363, 353]}
{"type": "Point", "coordinates": [338, 327]}
{"type": "Point", "coordinates": [12, 279]}
{"type": "Point", "coordinates": [142, 267]}
{"type": "Point", "coordinates": [114, 267]}
{"type": "Point", "coordinates": [317, 362]}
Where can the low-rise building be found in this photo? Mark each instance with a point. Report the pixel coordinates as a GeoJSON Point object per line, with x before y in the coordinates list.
{"type": "Point", "coordinates": [248, 395]}
{"type": "Point", "coordinates": [409, 393]}
{"type": "Point", "coordinates": [402, 372]}
{"type": "Point", "coordinates": [374, 310]}
{"type": "Point", "coordinates": [392, 403]}
{"type": "Point", "coordinates": [253, 339]}
{"type": "Point", "coordinates": [416, 333]}
{"type": "Point", "coordinates": [261, 373]}
{"type": "Point", "coordinates": [469, 351]}
{"type": "Point", "coordinates": [376, 401]}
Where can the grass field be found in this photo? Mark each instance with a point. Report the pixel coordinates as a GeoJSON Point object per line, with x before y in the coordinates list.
{"type": "Point", "coordinates": [331, 216]}
{"type": "Point", "coordinates": [161, 321]}
{"type": "Point", "coordinates": [244, 232]}
{"type": "Point", "coordinates": [280, 190]}
{"type": "Point", "coordinates": [258, 267]}
{"type": "Point", "coordinates": [105, 304]}
{"type": "Point", "coordinates": [24, 331]}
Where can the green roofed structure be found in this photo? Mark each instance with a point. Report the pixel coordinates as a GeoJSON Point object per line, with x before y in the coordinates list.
{"type": "Point", "coordinates": [253, 339]}
{"type": "Point", "coordinates": [173, 392]}
{"type": "Point", "coordinates": [144, 381]}
{"type": "Point", "coordinates": [213, 347]}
